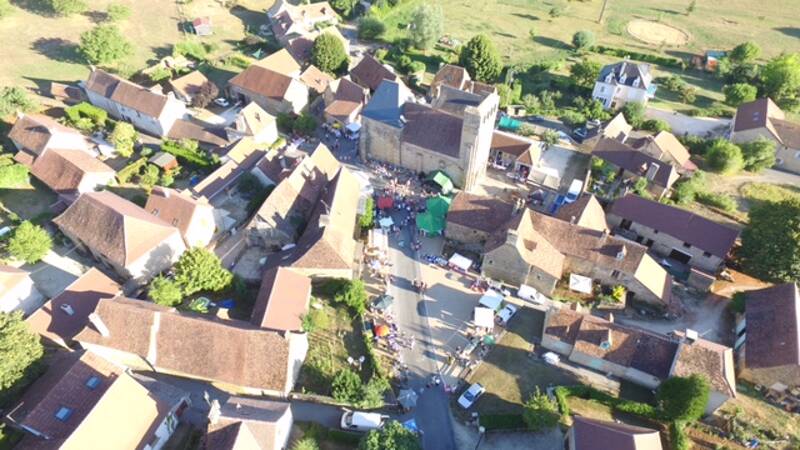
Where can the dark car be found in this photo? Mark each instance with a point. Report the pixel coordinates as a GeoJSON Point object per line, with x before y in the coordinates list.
{"type": "Point", "coordinates": [534, 119]}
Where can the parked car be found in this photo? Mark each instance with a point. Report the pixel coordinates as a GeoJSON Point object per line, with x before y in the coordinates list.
{"type": "Point", "coordinates": [362, 421]}
{"type": "Point", "coordinates": [222, 101]}
{"type": "Point", "coordinates": [471, 395]}
{"type": "Point", "coordinates": [534, 119]}
{"type": "Point", "coordinates": [506, 314]}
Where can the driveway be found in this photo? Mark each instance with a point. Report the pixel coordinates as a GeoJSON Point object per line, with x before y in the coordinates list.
{"type": "Point", "coordinates": [58, 269]}
{"type": "Point", "coordinates": [682, 124]}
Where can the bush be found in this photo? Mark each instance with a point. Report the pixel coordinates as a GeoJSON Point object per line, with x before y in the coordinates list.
{"type": "Point", "coordinates": [159, 74]}
{"type": "Point", "coordinates": [758, 154]}
{"type": "Point", "coordinates": [192, 49]}
{"type": "Point", "coordinates": [124, 138]}
{"type": "Point", "coordinates": [372, 393]}
{"type": "Point", "coordinates": [149, 177]}
{"type": "Point", "coordinates": [328, 53]}
{"type": "Point", "coordinates": [686, 191]}
{"type": "Point", "coordinates": [618, 293]}
{"type": "Point", "coordinates": [725, 157]}
{"type": "Point", "coordinates": [590, 393]}
{"type": "Point", "coordinates": [500, 422]}
{"type": "Point", "coordinates": [127, 172]}
{"type": "Point", "coordinates": [199, 269]}
{"type": "Point", "coordinates": [634, 114]}
{"type": "Point", "coordinates": [722, 201]}
{"type": "Point", "coordinates": [104, 44]}
{"type": "Point", "coordinates": [187, 151]}
{"type": "Point", "coordinates": [346, 386]}
{"type": "Point", "coordinates": [393, 435]}
{"type": "Point", "coordinates": [118, 12]}
{"type": "Point", "coordinates": [306, 443]}
{"type": "Point", "coordinates": [367, 220]}
{"type": "Point", "coordinates": [13, 175]}
{"type": "Point", "coordinates": [656, 125]}
{"type": "Point", "coordinates": [583, 39]}
{"type": "Point", "coordinates": [164, 292]}
{"type": "Point", "coordinates": [354, 295]}
{"type": "Point", "coordinates": [677, 432]}
{"type": "Point", "coordinates": [572, 118]}
{"type": "Point", "coordinates": [30, 243]}
{"type": "Point", "coordinates": [737, 303]}
{"type": "Point", "coordinates": [695, 144]}
{"type": "Point", "coordinates": [370, 28]}
{"type": "Point", "coordinates": [682, 398]}
{"type": "Point", "coordinates": [5, 8]}
{"type": "Point", "coordinates": [15, 98]}
{"type": "Point", "coordinates": [540, 413]}
{"type": "Point", "coordinates": [305, 125]}
{"type": "Point", "coordinates": [20, 350]}
{"type": "Point", "coordinates": [84, 110]}
{"type": "Point", "coordinates": [66, 8]}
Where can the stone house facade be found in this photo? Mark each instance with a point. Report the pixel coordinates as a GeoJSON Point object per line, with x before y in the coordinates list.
{"type": "Point", "coordinates": [762, 118]}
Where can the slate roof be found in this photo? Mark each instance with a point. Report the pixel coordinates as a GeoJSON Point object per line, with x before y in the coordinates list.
{"type": "Point", "coordinates": [432, 129]}
{"type": "Point", "coordinates": [756, 114]}
{"type": "Point", "coordinates": [370, 73]}
{"type": "Point", "coordinates": [773, 327]}
{"type": "Point", "coordinates": [592, 434]}
{"type": "Point", "coordinates": [242, 418]}
{"type": "Point", "coordinates": [482, 213]}
{"type": "Point", "coordinates": [126, 93]}
{"type": "Point", "coordinates": [631, 70]}
{"type": "Point", "coordinates": [634, 161]}
{"type": "Point", "coordinates": [677, 222]}
{"type": "Point", "coordinates": [386, 104]}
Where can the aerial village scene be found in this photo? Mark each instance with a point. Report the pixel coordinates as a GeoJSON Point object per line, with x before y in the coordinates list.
{"type": "Point", "coordinates": [399, 224]}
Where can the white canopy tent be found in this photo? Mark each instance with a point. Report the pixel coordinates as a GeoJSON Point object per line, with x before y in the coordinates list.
{"type": "Point", "coordinates": [484, 317]}
{"type": "Point", "coordinates": [462, 262]}
{"type": "Point", "coordinates": [492, 300]}
{"type": "Point", "coordinates": [580, 283]}
{"type": "Point", "coordinates": [386, 222]}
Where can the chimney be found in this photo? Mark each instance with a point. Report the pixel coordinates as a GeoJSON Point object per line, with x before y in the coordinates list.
{"type": "Point", "coordinates": [214, 412]}
{"type": "Point", "coordinates": [99, 325]}
{"type": "Point", "coordinates": [610, 317]}
{"type": "Point", "coordinates": [572, 220]}
{"type": "Point", "coordinates": [324, 220]}
{"type": "Point", "coordinates": [621, 253]}
{"type": "Point", "coordinates": [606, 343]}
{"type": "Point", "coordinates": [691, 335]}
{"type": "Point", "coordinates": [512, 238]}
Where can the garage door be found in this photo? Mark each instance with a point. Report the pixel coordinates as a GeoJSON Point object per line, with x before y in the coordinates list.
{"type": "Point", "coordinates": [679, 256]}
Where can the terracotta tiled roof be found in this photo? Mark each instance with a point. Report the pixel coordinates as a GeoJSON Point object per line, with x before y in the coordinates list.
{"type": "Point", "coordinates": [126, 93]}
{"type": "Point", "coordinates": [33, 132]}
{"type": "Point", "coordinates": [260, 418]}
{"type": "Point", "coordinates": [432, 129]}
{"type": "Point", "coordinates": [114, 227]}
{"type": "Point", "coordinates": [342, 109]}
{"type": "Point", "coordinates": [591, 434]}
{"type": "Point", "coordinates": [788, 132]}
{"type": "Point", "coordinates": [451, 75]}
{"type": "Point", "coordinates": [369, 72]}
{"type": "Point", "coordinates": [486, 214]}
{"type": "Point", "coordinates": [282, 300]}
{"type": "Point", "coordinates": [345, 89]}
{"type": "Point", "coordinates": [586, 212]}
{"type": "Point", "coordinates": [185, 129]}
{"type": "Point", "coordinates": [252, 119]}
{"type": "Point", "coordinates": [65, 170]}
{"type": "Point", "coordinates": [175, 208]}
{"type": "Point", "coordinates": [773, 327]}
{"type": "Point", "coordinates": [679, 223]}
{"type": "Point", "coordinates": [281, 62]}
{"type": "Point", "coordinates": [190, 84]}
{"type": "Point", "coordinates": [263, 81]}
{"type": "Point", "coordinates": [563, 324]}
{"type": "Point", "coordinates": [510, 144]}
{"type": "Point", "coordinates": [756, 114]}
{"type": "Point", "coordinates": [316, 79]}
{"type": "Point", "coordinates": [712, 360]}
{"type": "Point", "coordinates": [227, 435]}
{"type": "Point", "coordinates": [52, 321]}
{"type": "Point", "coordinates": [231, 352]}
{"type": "Point", "coordinates": [10, 277]}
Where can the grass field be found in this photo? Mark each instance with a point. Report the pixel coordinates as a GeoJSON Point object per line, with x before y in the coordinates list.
{"type": "Point", "coordinates": [47, 49]}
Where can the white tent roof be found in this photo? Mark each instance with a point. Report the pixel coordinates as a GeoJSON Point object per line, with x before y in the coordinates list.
{"type": "Point", "coordinates": [484, 317]}
{"type": "Point", "coordinates": [386, 222]}
{"type": "Point", "coordinates": [580, 283]}
{"type": "Point", "coordinates": [492, 300]}
{"type": "Point", "coordinates": [462, 262]}
{"type": "Point", "coordinates": [353, 127]}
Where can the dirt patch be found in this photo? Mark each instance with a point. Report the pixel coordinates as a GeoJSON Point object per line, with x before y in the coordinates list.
{"type": "Point", "coordinates": [657, 33]}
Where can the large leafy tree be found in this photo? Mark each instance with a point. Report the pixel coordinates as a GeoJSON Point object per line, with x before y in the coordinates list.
{"type": "Point", "coordinates": [344, 7]}
{"type": "Point", "coordinates": [104, 44]}
{"type": "Point", "coordinates": [780, 79]}
{"type": "Point", "coordinates": [738, 93]}
{"type": "Point", "coordinates": [427, 23]}
{"type": "Point", "coordinates": [19, 348]}
{"type": "Point", "coordinates": [758, 154]}
{"type": "Point", "coordinates": [393, 436]}
{"type": "Point", "coordinates": [68, 7]}
{"type": "Point", "coordinates": [724, 157]}
{"type": "Point", "coordinates": [745, 53]}
{"type": "Point", "coordinates": [200, 270]}
{"type": "Point", "coordinates": [16, 99]}
{"type": "Point", "coordinates": [583, 40]}
{"type": "Point", "coordinates": [541, 412]}
{"type": "Point", "coordinates": [370, 28]}
{"type": "Point", "coordinates": [164, 291]}
{"type": "Point", "coordinates": [480, 58]}
{"type": "Point", "coordinates": [584, 73]}
{"type": "Point", "coordinates": [328, 53]}
{"type": "Point", "coordinates": [124, 138]}
{"type": "Point", "coordinates": [771, 241]}
{"type": "Point", "coordinates": [12, 175]}
{"type": "Point", "coordinates": [634, 114]}
{"type": "Point", "coordinates": [683, 399]}
{"type": "Point", "coordinates": [30, 243]}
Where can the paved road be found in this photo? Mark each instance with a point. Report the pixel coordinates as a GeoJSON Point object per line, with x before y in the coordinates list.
{"type": "Point", "coordinates": [682, 124]}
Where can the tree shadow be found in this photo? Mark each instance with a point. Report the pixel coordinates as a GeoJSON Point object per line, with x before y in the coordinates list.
{"type": "Point", "coordinates": [790, 31]}
{"type": "Point", "coordinates": [550, 42]}
{"type": "Point", "coordinates": [667, 11]}
{"type": "Point", "coordinates": [526, 16]}
{"type": "Point", "coordinates": [506, 35]}
{"type": "Point", "coordinates": [58, 49]}
{"type": "Point", "coordinates": [38, 7]}
{"type": "Point", "coordinates": [251, 19]}
{"type": "Point", "coordinates": [96, 16]}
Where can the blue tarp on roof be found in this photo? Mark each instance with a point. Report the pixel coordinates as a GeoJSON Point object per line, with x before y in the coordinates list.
{"type": "Point", "coordinates": [386, 104]}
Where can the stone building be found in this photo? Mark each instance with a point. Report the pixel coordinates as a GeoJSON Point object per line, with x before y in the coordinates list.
{"type": "Point", "coordinates": [633, 164]}
{"type": "Point", "coordinates": [762, 118]}
{"type": "Point", "coordinates": [472, 219]}
{"type": "Point", "coordinates": [454, 134]}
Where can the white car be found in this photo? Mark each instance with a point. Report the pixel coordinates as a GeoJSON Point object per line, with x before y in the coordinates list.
{"type": "Point", "coordinates": [469, 396]}
{"type": "Point", "coordinates": [506, 314]}
{"type": "Point", "coordinates": [362, 421]}
{"type": "Point", "coordinates": [221, 101]}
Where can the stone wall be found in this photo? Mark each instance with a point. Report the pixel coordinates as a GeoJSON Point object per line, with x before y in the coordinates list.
{"type": "Point", "coordinates": [380, 141]}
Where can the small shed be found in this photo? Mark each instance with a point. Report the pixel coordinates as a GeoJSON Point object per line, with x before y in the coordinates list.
{"type": "Point", "coordinates": [202, 26]}
{"type": "Point", "coordinates": [492, 300]}
{"type": "Point", "coordinates": [460, 262]}
{"type": "Point", "coordinates": [164, 161]}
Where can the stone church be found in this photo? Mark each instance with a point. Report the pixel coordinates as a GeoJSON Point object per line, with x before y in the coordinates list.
{"type": "Point", "coordinates": [453, 133]}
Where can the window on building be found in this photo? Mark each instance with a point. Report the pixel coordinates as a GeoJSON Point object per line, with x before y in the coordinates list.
{"type": "Point", "coordinates": [155, 211]}
{"type": "Point", "coordinates": [687, 245]}
{"type": "Point", "coordinates": [616, 274]}
{"type": "Point", "coordinates": [93, 382]}
{"type": "Point", "coordinates": [707, 255]}
{"type": "Point", "coordinates": [63, 413]}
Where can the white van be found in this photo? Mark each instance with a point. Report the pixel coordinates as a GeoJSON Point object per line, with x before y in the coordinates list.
{"type": "Point", "coordinates": [362, 421]}
{"type": "Point", "coordinates": [575, 189]}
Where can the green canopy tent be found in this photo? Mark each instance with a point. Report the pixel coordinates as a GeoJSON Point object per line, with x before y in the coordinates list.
{"type": "Point", "coordinates": [438, 206]}
{"type": "Point", "coordinates": [441, 179]}
{"type": "Point", "coordinates": [430, 223]}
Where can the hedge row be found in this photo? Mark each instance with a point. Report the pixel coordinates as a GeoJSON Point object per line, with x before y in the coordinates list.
{"type": "Point", "coordinates": [85, 110]}
{"type": "Point", "coordinates": [187, 154]}
{"type": "Point", "coordinates": [619, 404]}
{"type": "Point", "coordinates": [644, 57]}
{"type": "Point", "coordinates": [127, 172]}
{"type": "Point", "coordinates": [502, 422]}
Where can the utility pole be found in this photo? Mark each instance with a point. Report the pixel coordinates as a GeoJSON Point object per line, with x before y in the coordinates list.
{"type": "Point", "coordinates": [602, 11]}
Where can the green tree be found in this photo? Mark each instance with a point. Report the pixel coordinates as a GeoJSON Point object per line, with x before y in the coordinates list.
{"type": "Point", "coordinates": [5, 8]}
{"type": "Point", "coordinates": [12, 175]}
{"type": "Point", "coordinates": [372, 393]}
{"type": "Point", "coordinates": [304, 125]}
{"type": "Point", "coordinates": [688, 94]}
{"type": "Point", "coordinates": [149, 177]}
{"type": "Point", "coordinates": [509, 95]}
{"type": "Point", "coordinates": [745, 53]}
{"type": "Point", "coordinates": [780, 78]}
{"type": "Point", "coordinates": [480, 58]}
{"type": "Point", "coordinates": [427, 25]}
{"type": "Point", "coordinates": [104, 44]}
{"type": "Point", "coordinates": [16, 99]}
{"type": "Point", "coordinates": [724, 157]}
{"type": "Point", "coordinates": [19, 348]}
{"type": "Point", "coordinates": [583, 40]}
{"type": "Point", "coordinates": [307, 443]}
{"type": "Point", "coordinates": [29, 243]}
{"type": "Point", "coordinates": [540, 412]}
{"type": "Point", "coordinates": [164, 291]}
{"type": "Point", "coordinates": [550, 137]}
{"type": "Point", "coordinates": [370, 28]}
{"type": "Point", "coordinates": [66, 8]}
{"type": "Point", "coordinates": [758, 154]}
{"type": "Point", "coordinates": [367, 219]}
{"type": "Point", "coordinates": [771, 241]}
{"type": "Point", "coordinates": [656, 125]}
{"type": "Point", "coordinates": [124, 138]}
{"type": "Point", "coordinates": [686, 190]}
{"type": "Point", "coordinates": [201, 270]}
{"type": "Point", "coordinates": [634, 114]}
{"type": "Point", "coordinates": [344, 7]}
{"type": "Point", "coordinates": [739, 93]}
{"type": "Point", "coordinates": [572, 118]}
{"type": "Point", "coordinates": [328, 53]}
{"type": "Point", "coordinates": [117, 12]}
{"type": "Point", "coordinates": [584, 73]}
{"type": "Point", "coordinates": [354, 295]}
{"type": "Point", "coordinates": [392, 436]}
{"type": "Point", "coordinates": [683, 398]}
{"type": "Point", "coordinates": [346, 386]}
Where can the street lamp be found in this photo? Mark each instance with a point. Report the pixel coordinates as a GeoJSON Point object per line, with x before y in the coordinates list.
{"type": "Point", "coordinates": [481, 433]}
